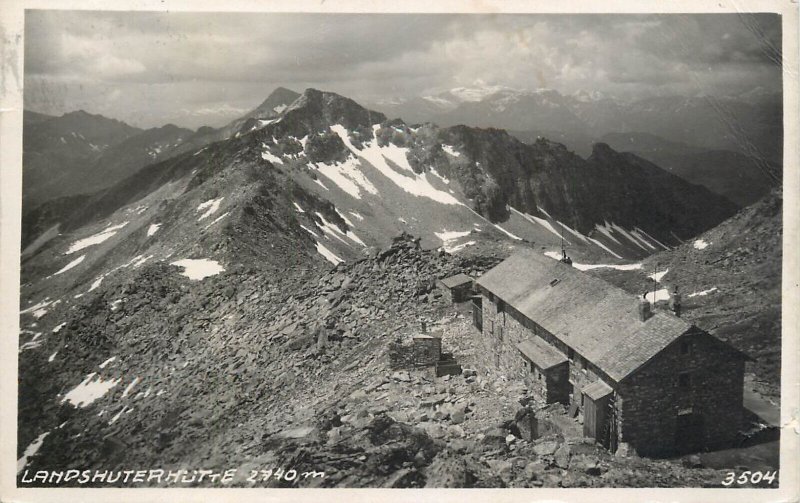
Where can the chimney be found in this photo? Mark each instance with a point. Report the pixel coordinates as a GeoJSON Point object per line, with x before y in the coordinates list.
{"type": "Point", "coordinates": [644, 308]}
{"type": "Point", "coordinates": [675, 302]}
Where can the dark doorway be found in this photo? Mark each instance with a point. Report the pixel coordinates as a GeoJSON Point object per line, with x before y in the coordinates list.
{"type": "Point", "coordinates": [477, 313]}
{"type": "Point", "coordinates": [689, 432]}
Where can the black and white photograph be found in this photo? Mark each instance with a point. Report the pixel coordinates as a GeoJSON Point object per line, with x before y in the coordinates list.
{"type": "Point", "coordinates": [444, 250]}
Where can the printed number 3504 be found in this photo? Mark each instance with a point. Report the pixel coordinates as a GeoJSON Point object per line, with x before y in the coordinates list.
{"type": "Point", "coordinates": [749, 477]}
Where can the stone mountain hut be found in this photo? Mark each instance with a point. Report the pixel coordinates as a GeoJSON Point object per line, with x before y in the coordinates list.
{"type": "Point", "coordinates": [642, 377]}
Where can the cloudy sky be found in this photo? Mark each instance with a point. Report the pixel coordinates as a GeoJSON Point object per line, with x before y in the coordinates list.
{"type": "Point", "coordinates": [196, 69]}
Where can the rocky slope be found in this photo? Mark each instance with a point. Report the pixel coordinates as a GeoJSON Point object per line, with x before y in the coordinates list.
{"type": "Point", "coordinates": [730, 282]}
{"type": "Point", "coordinates": [290, 371]}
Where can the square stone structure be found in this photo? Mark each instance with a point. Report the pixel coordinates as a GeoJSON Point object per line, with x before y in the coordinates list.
{"type": "Point", "coordinates": [456, 288]}
{"type": "Point", "coordinates": [427, 350]}
{"type": "Point", "coordinates": [649, 379]}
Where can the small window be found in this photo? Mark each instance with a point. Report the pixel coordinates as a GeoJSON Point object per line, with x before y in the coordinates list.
{"type": "Point", "coordinates": [571, 354]}
{"type": "Point", "coordinates": [554, 282]}
{"type": "Point", "coordinates": [501, 306]}
{"type": "Point", "coordinates": [684, 380]}
{"type": "Point", "coordinates": [686, 347]}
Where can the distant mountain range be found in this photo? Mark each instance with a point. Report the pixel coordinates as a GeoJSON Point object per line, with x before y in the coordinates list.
{"type": "Point", "coordinates": [79, 153]}
{"type": "Point", "coordinates": [732, 144]}
{"type": "Point", "coordinates": [334, 159]}
{"type": "Point", "coordinates": [751, 123]}
{"type": "Point", "coordinates": [741, 178]}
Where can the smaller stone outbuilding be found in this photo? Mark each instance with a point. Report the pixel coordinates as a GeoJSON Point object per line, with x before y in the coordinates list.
{"type": "Point", "coordinates": [547, 373]}
{"type": "Point", "coordinates": [458, 288]}
{"type": "Point", "coordinates": [422, 350]}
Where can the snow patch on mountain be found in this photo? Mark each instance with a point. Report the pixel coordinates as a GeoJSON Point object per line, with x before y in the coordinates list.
{"type": "Point", "coordinates": [197, 269]}
{"type": "Point", "coordinates": [460, 247]}
{"type": "Point", "coordinates": [347, 176]}
{"type": "Point", "coordinates": [700, 244]}
{"type": "Point", "coordinates": [446, 235]}
{"type": "Point", "coordinates": [641, 237]}
{"type": "Point", "coordinates": [329, 255]}
{"type": "Point", "coordinates": [265, 122]}
{"type": "Point", "coordinates": [211, 206]}
{"type": "Point", "coordinates": [298, 208]}
{"type": "Point", "coordinates": [573, 232]}
{"type": "Point", "coordinates": [435, 173]}
{"type": "Point", "coordinates": [450, 150]}
{"type": "Point", "coordinates": [513, 236]}
{"type": "Point", "coordinates": [544, 223]}
{"type": "Point", "coordinates": [651, 238]}
{"type": "Point", "coordinates": [657, 296]}
{"type": "Point", "coordinates": [89, 390]}
{"type": "Point", "coordinates": [217, 219]}
{"type": "Point", "coordinates": [344, 217]}
{"type": "Point", "coordinates": [95, 239]}
{"type": "Point", "coordinates": [107, 362]}
{"type": "Point", "coordinates": [450, 237]}
{"type": "Point", "coordinates": [38, 310]}
{"type": "Point", "coordinates": [70, 265]}
{"type": "Point", "coordinates": [605, 229]}
{"type": "Point", "coordinates": [658, 275]}
{"type": "Point", "coordinates": [135, 262]}
{"type": "Point", "coordinates": [334, 231]}
{"type": "Point", "coordinates": [153, 229]}
{"type": "Point", "coordinates": [629, 236]}
{"type": "Point", "coordinates": [30, 451]}
{"type": "Point", "coordinates": [587, 267]}
{"type": "Point", "coordinates": [409, 181]}
{"type": "Point", "coordinates": [606, 248]}
{"type": "Point", "coordinates": [269, 156]}
{"type": "Point", "coordinates": [309, 231]}
{"type": "Point", "coordinates": [129, 387]}
{"type": "Point", "coordinates": [703, 293]}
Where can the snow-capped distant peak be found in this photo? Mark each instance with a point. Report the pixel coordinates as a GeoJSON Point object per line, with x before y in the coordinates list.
{"type": "Point", "coordinates": [473, 94]}
{"type": "Point", "coordinates": [588, 96]}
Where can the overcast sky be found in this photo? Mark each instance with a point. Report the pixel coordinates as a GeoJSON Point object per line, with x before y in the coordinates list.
{"type": "Point", "coordinates": [190, 69]}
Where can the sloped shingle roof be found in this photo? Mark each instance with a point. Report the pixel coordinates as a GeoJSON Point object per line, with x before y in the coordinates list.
{"type": "Point", "coordinates": [540, 353]}
{"type": "Point", "coordinates": [597, 390]}
{"type": "Point", "coordinates": [598, 320]}
{"type": "Point", "coordinates": [457, 280]}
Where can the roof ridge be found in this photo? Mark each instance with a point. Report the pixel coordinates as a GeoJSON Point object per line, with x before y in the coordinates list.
{"type": "Point", "coordinates": [598, 320]}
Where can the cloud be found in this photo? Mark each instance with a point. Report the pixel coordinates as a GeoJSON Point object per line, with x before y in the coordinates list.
{"type": "Point", "coordinates": [126, 63]}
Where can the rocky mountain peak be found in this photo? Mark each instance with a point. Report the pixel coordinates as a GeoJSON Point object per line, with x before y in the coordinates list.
{"type": "Point", "coordinates": [600, 150]}
{"type": "Point", "coordinates": [317, 110]}
{"type": "Point", "coordinates": [277, 101]}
